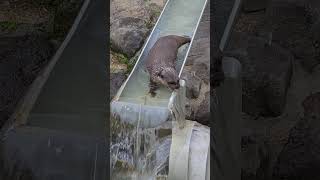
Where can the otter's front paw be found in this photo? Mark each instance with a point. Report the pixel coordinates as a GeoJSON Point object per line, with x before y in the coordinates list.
{"type": "Point", "coordinates": [153, 94]}
{"type": "Point", "coordinates": [153, 87]}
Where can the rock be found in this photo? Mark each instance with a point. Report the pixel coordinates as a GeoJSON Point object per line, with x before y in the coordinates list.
{"type": "Point", "coordinates": [193, 85]}
{"type": "Point", "coordinates": [128, 35]}
{"type": "Point", "coordinates": [201, 67]}
{"type": "Point", "coordinates": [199, 47]}
{"type": "Point", "coordinates": [159, 3]}
{"type": "Point", "coordinates": [266, 74]}
{"type": "Point", "coordinates": [140, 9]}
{"type": "Point", "coordinates": [202, 114]}
{"type": "Point", "coordinates": [124, 8]}
{"type": "Point", "coordinates": [116, 80]}
{"type": "Point", "coordinates": [130, 23]}
{"type": "Point", "coordinates": [22, 57]}
{"type": "Point", "coordinates": [300, 158]}
{"type": "Point", "coordinates": [197, 71]}
{"type": "Point", "coordinates": [198, 109]}
{"type": "Point", "coordinates": [154, 9]}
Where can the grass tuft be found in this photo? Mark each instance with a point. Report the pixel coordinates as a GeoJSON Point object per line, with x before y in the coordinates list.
{"type": "Point", "coordinates": [9, 25]}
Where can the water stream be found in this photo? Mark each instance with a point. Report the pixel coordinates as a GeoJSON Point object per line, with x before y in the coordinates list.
{"type": "Point", "coordinates": [139, 153]}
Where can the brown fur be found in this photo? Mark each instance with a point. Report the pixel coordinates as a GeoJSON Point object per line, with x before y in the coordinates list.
{"type": "Point", "coordinates": [160, 62]}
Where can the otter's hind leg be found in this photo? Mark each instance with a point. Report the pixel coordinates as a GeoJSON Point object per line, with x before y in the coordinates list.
{"type": "Point", "coordinates": [153, 87]}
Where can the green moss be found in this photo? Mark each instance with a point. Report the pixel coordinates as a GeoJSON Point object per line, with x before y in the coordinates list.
{"type": "Point", "coordinates": [123, 59]}
{"type": "Point", "coordinates": [149, 24]}
{"type": "Point", "coordinates": [9, 25]}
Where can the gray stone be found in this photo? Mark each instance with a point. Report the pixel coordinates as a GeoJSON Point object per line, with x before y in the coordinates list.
{"type": "Point", "coordinates": [266, 74]}
{"type": "Point", "coordinates": [201, 67]}
{"type": "Point", "coordinates": [300, 158]}
{"type": "Point", "coordinates": [116, 80]}
{"type": "Point", "coordinates": [124, 8]}
{"type": "Point", "coordinates": [128, 35]}
{"type": "Point", "coordinates": [193, 85]}
{"type": "Point", "coordinates": [202, 114]}
{"type": "Point", "coordinates": [199, 47]}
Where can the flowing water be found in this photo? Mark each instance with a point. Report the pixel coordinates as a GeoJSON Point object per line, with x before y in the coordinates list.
{"type": "Point", "coordinates": [138, 153]}
{"type": "Point", "coordinates": [143, 153]}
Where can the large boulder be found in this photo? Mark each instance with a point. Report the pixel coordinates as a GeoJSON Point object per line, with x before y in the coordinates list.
{"type": "Point", "coordinates": [198, 91]}
{"type": "Point", "coordinates": [300, 158]}
{"type": "Point", "coordinates": [201, 67]}
{"type": "Point", "coordinates": [130, 23]}
{"type": "Point", "coordinates": [266, 74]}
{"type": "Point", "coordinates": [128, 35]}
{"type": "Point", "coordinates": [193, 85]}
{"type": "Point", "coordinates": [124, 8]}
{"type": "Point", "coordinates": [199, 47]}
{"type": "Point", "coordinates": [198, 109]}
{"type": "Point", "coordinates": [202, 113]}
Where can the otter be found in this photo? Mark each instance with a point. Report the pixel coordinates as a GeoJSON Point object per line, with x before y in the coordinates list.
{"type": "Point", "coordinates": [160, 62]}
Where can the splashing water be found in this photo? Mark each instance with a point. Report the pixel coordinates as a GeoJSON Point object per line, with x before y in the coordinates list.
{"type": "Point", "coordinates": [137, 153]}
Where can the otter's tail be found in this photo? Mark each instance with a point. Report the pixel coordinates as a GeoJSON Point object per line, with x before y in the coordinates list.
{"type": "Point", "coordinates": [182, 40]}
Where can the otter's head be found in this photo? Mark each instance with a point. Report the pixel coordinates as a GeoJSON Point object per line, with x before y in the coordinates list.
{"type": "Point", "coordinates": [169, 78]}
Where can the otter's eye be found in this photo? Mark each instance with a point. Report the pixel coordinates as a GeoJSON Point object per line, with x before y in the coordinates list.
{"type": "Point", "coordinates": [161, 76]}
{"type": "Point", "coordinates": [171, 83]}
